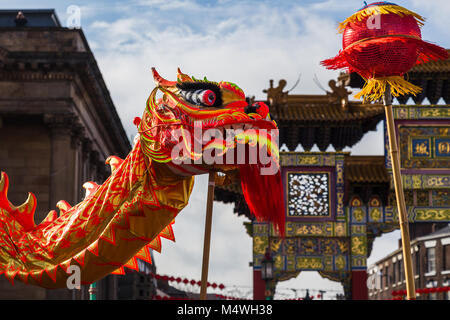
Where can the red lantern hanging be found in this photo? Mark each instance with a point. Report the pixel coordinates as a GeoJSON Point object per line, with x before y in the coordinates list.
{"type": "Point", "coordinates": [381, 42]}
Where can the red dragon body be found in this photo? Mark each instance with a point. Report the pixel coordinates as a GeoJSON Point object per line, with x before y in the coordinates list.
{"type": "Point", "coordinates": [120, 220]}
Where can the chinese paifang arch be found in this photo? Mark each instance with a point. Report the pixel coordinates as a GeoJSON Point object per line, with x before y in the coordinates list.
{"type": "Point", "coordinates": [120, 220]}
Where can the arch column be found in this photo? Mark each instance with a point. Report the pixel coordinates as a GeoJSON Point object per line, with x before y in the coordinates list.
{"type": "Point", "coordinates": [358, 244]}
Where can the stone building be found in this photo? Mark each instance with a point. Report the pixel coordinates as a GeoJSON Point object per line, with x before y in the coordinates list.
{"type": "Point", "coordinates": [431, 266]}
{"type": "Point", "coordinates": [137, 285]}
{"type": "Point", "coordinates": [58, 123]}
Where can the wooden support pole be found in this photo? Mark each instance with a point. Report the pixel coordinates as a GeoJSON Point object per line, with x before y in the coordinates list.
{"type": "Point", "coordinates": [207, 238]}
{"type": "Point", "coordinates": [398, 186]}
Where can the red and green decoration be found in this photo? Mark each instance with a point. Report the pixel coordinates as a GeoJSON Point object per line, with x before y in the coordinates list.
{"type": "Point", "coordinates": [400, 294]}
{"type": "Point", "coordinates": [381, 42]}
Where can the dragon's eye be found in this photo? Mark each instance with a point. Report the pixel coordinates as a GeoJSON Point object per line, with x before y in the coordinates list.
{"type": "Point", "coordinates": [201, 93]}
{"type": "Point", "coordinates": [208, 97]}
{"type": "Point", "coordinates": [202, 97]}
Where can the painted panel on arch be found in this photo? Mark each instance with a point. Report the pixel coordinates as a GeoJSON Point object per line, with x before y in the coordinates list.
{"type": "Point", "coordinates": [442, 147]}
{"type": "Point", "coordinates": [295, 254]}
{"type": "Point", "coordinates": [421, 147]}
{"type": "Point", "coordinates": [424, 147]}
{"type": "Point", "coordinates": [310, 193]}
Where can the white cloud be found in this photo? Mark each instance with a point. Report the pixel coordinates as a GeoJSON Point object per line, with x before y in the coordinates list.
{"type": "Point", "coordinates": [436, 13]}
{"type": "Point", "coordinates": [384, 245]}
{"type": "Point", "coordinates": [372, 143]}
{"type": "Point", "coordinates": [249, 46]}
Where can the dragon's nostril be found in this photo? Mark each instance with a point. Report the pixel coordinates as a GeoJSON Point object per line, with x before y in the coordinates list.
{"type": "Point", "coordinates": [258, 107]}
{"type": "Point", "coordinates": [262, 109]}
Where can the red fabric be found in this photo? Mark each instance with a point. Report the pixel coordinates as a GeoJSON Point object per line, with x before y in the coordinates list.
{"type": "Point", "coordinates": [264, 195]}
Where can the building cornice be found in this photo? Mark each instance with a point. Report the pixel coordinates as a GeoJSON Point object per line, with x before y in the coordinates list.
{"type": "Point", "coordinates": [30, 66]}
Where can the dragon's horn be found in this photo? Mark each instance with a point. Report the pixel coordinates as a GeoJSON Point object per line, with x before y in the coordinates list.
{"type": "Point", "coordinates": [90, 187]}
{"type": "Point", "coordinates": [51, 216]}
{"type": "Point", "coordinates": [25, 212]}
{"type": "Point", "coordinates": [114, 162]}
{"type": "Point", "coordinates": [183, 77]}
{"type": "Point", "coordinates": [160, 81]}
{"type": "Point", "coordinates": [63, 206]}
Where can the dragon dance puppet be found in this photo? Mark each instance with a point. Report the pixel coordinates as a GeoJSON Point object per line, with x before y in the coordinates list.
{"type": "Point", "coordinates": [120, 220]}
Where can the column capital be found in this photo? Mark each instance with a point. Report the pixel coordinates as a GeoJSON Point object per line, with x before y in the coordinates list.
{"type": "Point", "coordinates": [59, 124]}
{"type": "Point", "coordinates": [77, 134]}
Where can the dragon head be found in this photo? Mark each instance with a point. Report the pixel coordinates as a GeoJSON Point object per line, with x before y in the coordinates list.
{"type": "Point", "coordinates": [197, 126]}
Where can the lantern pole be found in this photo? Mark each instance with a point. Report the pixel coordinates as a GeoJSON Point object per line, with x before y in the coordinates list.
{"type": "Point", "coordinates": [398, 186]}
{"type": "Point", "coordinates": [207, 237]}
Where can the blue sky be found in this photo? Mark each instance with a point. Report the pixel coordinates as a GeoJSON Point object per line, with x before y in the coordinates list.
{"type": "Point", "coordinates": [244, 41]}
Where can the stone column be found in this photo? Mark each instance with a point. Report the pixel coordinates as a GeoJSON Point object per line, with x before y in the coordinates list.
{"type": "Point", "coordinates": [93, 164]}
{"type": "Point", "coordinates": [62, 161]}
{"type": "Point", "coordinates": [85, 159]}
{"type": "Point", "coordinates": [77, 138]}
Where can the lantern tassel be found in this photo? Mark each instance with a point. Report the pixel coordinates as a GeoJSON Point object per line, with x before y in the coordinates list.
{"type": "Point", "coordinates": [385, 9]}
{"type": "Point", "coordinates": [375, 88]}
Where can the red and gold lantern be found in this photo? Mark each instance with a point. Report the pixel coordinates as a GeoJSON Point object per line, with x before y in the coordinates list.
{"type": "Point", "coordinates": [381, 42]}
